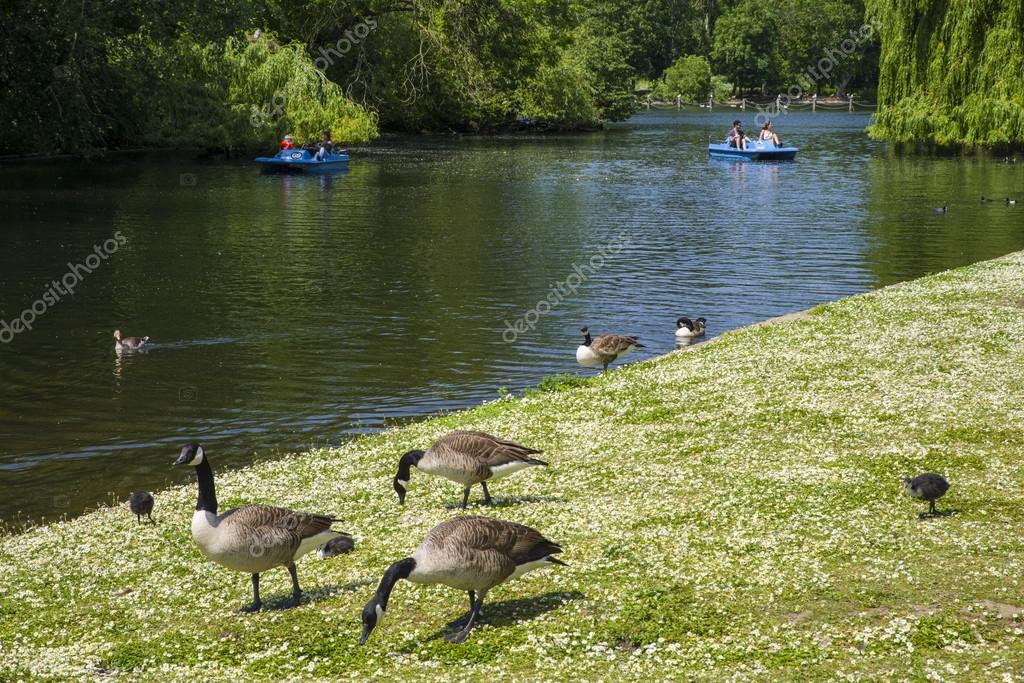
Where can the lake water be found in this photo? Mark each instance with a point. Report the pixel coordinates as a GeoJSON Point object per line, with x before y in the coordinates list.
{"type": "Point", "coordinates": [286, 312]}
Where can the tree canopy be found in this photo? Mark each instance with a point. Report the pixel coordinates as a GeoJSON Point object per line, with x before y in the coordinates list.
{"type": "Point", "coordinates": [950, 72]}
{"type": "Point", "coordinates": [238, 73]}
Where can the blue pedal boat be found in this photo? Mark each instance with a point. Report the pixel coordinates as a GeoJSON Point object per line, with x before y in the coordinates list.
{"type": "Point", "coordinates": [757, 150]}
{"type": "Point", "coordinates": [304, 161]}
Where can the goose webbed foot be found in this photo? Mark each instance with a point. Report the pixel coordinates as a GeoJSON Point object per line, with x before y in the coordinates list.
{"type": "Point", "coordinates": [296, 591]}
{"type": "Point", "coordinates": [256, 603]}
{"type": "Point", "coordinates": [471, 619]}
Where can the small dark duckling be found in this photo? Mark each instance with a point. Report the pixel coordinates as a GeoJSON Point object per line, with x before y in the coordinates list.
{"type": "Point", "coordinates": [336, 546]}
{"type": "Point", "coordinates": [927, 486]}
{"type": "Point", "coordinates": [141, 503]}
{"type": "Point", "coordinates": [128, 343]}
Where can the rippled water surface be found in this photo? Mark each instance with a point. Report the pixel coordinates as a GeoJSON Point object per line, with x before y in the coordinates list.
{"type": "Point", "coordinates": [288, 311]}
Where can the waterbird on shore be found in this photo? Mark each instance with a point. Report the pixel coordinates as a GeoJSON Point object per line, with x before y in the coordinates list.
{"type": "Point", "coordinates": [128, 343]}
{"type": "Point", "coordinates": [927, 486]}
{"type": "Point", "coordinates": [604, 349]}
{"type": "Point", "coordinates": [470, 553]}
{"type": "Point", "coordinates": [985, 199]}
{"type": "Point", "coordinates": [1010, 202]}
{"type": "Point", "coordinates": [252, 538]}
{"type": "Point", "coordinates": [690, 328]}
{"type": "Point", "coordinates": [941, 209]}
{"type": "Point", "coordinates": [141, 503]}
{"type": "Point", "coordinates": [342, 545]}
{"type": "Point", "coordinates": [467, 458]}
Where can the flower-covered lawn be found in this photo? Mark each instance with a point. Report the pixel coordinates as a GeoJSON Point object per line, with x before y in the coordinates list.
{"type": "Point", "coordinates": [731, 512]}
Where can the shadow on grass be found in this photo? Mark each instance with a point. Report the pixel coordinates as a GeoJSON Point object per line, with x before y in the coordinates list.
{"type": "Point", "coordinates": [506, 612]}
{"type": "Point", "coordinates": [505, 502]}
{"type": "Point", "coordinates": [319, 594]}
{"type": "Point", "coordinates": [938, 513]}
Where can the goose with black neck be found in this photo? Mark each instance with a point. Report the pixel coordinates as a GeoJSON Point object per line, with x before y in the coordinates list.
{"type": "Point", "coordinates": [252, 538]}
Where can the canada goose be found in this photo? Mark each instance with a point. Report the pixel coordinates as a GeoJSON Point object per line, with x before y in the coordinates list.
{"type": "Point", "coordinates": [128, 343]}
{"type": "Point", "coordinates": [604, 349]}
{"type": "Point", "coordinates": [141, 503]}
{"type": "Point", "coordinates": [941, 209]}
{"type": "Point", "coordinates": [336, 546]}
{"type": "Point", "coordinates": [252, 538]}
{"type": "Point", "coordinates": [466, 458]}
{"type": "Point", "coordinates": [473, 554]}
{"type": "Point", "coordinates": [928, 487]}
{"type": "Point", "coordinates": [985, 199]}
{"type": "Point", "coordinates": [1010, 202]}
{"type": "Point", "coordinates": [690, 328]}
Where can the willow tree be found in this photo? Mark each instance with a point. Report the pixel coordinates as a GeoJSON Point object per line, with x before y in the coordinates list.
{"type": "Point", "coordinates": [950, 71]}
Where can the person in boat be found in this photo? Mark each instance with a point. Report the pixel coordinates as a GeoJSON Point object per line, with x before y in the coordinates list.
{"type": "Point", "coordinates": [288, 142]}
{"type": "Point", "coordinates": [737, 138]}
{"type": "Point", "coordinates": [326, 146]}
{"type": "Point", "coordinates": [768, 134]}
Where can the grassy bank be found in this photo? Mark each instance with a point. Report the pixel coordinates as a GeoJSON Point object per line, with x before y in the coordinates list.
{"type": "Point", "coordinates": [731, 511]}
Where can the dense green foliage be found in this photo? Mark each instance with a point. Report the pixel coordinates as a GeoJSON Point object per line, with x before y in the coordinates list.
{"type": "Point", "coordinates": [746, 46]}
{"type": "Point", "coordinates": [239, 73]}
{"type": "Point", "coordinates": [689, 78]}
{"type": "Point", "coordinates": [950, 72]}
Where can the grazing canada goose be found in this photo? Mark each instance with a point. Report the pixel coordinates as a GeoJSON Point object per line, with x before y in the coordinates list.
{"type": "Point", "coordinates": [927, 486]}
{"type": "Point", "coordinates": [604, 349]}
{"type": "Point", "coordinates": [473, 554]}
{"type": "Point", "coordinates": [341, 545]}
{"type": "Point", "coordinates": [1010, 202]}
{"type": "Point", "coordinates": [141, 503]}
{"type": "Point", "coordinates": [128, 343]}
{"type": "Point", "coordinates": [690, 328]}
{"type": "Point", "coordinates": [466, 458]}
{"type": "Point", "coordinates": [941, 209]}
{"type": "Point", "coordinates": [252, 538]}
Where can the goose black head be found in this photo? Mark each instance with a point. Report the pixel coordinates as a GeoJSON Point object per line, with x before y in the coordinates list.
{"type": "Point", "coordinates": [191, 454]}
{"type": "Point", "coordinates": [372, 614]}
{"type": "Point", "coordinates": [587, 339]}
{"type": "Point", "coordinates": [685, 322]}
{"type": "Point", "coordinates": [702, 321]}
{"type": "Point", "coordinates": [405, 465]}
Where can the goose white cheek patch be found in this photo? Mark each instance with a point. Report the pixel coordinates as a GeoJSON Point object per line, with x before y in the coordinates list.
{"type": "Point", "coordinates": [198, 457]}
{"type": "Point", "coordinates": [380, 612]}
{"type": "Point", "coordinates": [403, 482]}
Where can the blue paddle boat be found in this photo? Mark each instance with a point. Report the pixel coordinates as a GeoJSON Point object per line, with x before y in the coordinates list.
{"type": "Point", "coordinates": [304, 161]}
{"type": "Point", "coordinates": [757, 150]}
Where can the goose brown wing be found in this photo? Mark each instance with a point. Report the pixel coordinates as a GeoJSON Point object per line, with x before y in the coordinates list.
{"type": "Point", "coordinates": [279, 522]}
{"type": "Point", "coordinates": [612, 344]}
{"type": "Point", "coordinates": [476, 533]}
{"type": "Point", "coordinates": [531, 546]}
{"type": "Point", "coordinates": [491, 450]}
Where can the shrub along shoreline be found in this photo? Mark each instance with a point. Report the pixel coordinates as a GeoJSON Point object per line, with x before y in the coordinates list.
{"type": "Point", "coordinates": [732, 511]}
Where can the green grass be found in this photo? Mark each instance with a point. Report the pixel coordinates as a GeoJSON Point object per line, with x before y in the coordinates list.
{"type": "Point", "coordinates": [729, 512]}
